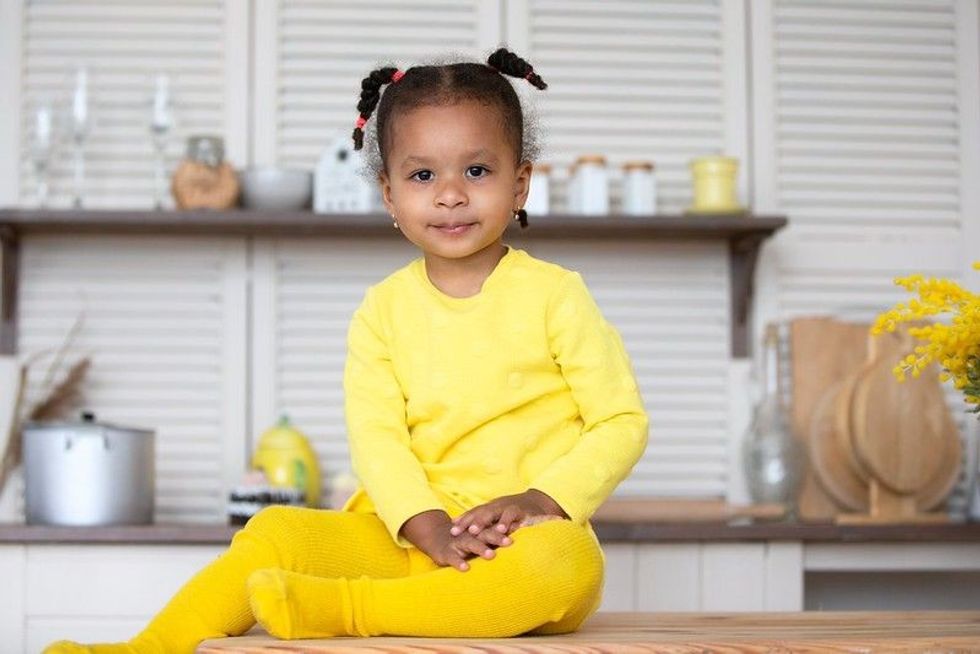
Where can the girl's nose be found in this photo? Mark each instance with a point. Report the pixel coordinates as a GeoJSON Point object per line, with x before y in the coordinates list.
{"type": "Point", "coordinates": [451, 195]}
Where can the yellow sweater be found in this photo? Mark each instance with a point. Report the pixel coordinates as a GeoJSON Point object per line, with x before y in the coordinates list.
{"type": "Point", "coordinates": [453, 402]}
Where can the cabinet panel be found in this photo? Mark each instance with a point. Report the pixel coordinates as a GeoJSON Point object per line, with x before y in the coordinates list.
{"type": "Point", "coordinates": [669, 577]}
{"type": "Point", "coordinates": [620, 589]}
{"type": "Point", "coordinates": [784, 577]}
{"type": "Point", "coordinates": [732, 577]}
{"type": "Point", "coordinates": [113, 580]}
{"type": "Point", "coordinates": [12, 567]}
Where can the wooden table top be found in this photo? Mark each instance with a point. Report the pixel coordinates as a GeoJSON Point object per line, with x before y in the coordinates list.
{"type": "Point", "coordinates": [675, 633]}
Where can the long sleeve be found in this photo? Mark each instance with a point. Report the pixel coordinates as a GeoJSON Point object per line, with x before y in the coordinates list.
{"type": "Point", "coordinates": [378, 434]}
{"type": "Point", "coordinates": [596, 368]}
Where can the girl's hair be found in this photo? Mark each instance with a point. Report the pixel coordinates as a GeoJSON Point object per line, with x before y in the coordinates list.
{"type": "Point", "coordinates": [447, 84]}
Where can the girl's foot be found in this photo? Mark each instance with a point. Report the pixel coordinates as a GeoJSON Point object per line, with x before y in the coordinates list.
{"type": "Point", "coordinates": [291, 605]}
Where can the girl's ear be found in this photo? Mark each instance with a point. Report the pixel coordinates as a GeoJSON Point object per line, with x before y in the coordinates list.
{"type": "Point", "coordinates": [522, 183]}
{"type": "Point", "coordinates": [385, 184]}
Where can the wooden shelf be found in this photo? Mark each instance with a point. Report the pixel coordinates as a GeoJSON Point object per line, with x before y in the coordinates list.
{"type": "Point", "coordinates": [743, 232]}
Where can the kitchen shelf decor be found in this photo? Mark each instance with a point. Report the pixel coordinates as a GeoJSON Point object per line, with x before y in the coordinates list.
{"type": "Point", "coordinates": [744, 234]}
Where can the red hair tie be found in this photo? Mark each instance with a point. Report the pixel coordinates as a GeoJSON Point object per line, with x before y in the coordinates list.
{"type": "Point", "coordinates": [361, 120]}
{"type": "Point", "coordinates": [529, 73]}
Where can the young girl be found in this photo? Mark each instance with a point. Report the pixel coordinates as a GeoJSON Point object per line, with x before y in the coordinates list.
{"type": "Point", "coordinates": [490, 409]}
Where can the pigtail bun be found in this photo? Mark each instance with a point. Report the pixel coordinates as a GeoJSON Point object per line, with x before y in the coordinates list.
{"type": "Point", "coordinates": [370, 94]}
{"type": "Point", "coordinates": [509, 63]}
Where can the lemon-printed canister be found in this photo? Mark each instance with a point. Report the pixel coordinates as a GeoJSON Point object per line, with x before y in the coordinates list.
{"type": "Point", "coordinates": [285, 456]}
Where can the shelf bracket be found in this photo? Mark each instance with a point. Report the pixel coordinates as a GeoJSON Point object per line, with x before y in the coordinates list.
{"type": "Point", "coordinates": [743, 253]}
{"type": "Point", "coordinates": [8, 289]}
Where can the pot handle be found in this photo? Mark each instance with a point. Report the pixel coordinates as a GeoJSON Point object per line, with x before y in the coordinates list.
{"type": "Point", "coordinates": [69, 442]}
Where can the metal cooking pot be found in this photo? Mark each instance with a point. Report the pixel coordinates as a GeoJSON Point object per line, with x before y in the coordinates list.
{"type": "Point", "coordinates": [88, 473]}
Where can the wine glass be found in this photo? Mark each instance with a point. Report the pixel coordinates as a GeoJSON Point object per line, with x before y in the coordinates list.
{"type": "Point", "coordinates": [161, 124]}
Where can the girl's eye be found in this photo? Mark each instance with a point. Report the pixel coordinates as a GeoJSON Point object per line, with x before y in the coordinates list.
{"type": "Point", "coordinates": [477, 171]}
{"type": "Point", "coordinates": [423, 175]}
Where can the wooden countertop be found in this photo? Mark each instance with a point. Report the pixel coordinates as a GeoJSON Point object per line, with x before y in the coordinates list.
{"type": "Point", "coordinates": [608, 532]}
{"type": "Point", "coordinates": [688, 633]}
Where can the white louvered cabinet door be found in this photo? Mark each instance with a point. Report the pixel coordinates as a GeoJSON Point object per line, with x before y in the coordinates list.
{"type": "Point", "coordinates": [669, 302]}
{"type": "Point", "coordinates": [311, 57]}
{"type": "Point", "coordinates": [865, 138]}
{"type": "Point", "coordinates": [305, 294]}
{"type": "Point", "coordinates": [656, 80]}
{"type": "Point", "coordinates": [200, 44]}
{"type": "Point", "coordinates": [164, 323]}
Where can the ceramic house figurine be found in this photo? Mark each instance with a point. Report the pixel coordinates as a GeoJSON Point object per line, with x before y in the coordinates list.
{"type": "Point", "coordinates": [339, 186]}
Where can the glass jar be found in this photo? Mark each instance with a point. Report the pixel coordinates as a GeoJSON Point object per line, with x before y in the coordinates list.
{"type": "Point", "coordinates": [589, 186]}
{"type": "Point", "coordinates": [539, 193]}
{"type": "Point", "coordinates": [208, 150]}
{"type": "Point", "coordinates": [639, 188]}
{"type": "Point", "coordinates": [773, 460]}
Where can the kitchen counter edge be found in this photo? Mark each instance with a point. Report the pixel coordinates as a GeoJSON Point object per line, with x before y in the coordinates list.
{"type": "Point", "coordinates": [608, 532]}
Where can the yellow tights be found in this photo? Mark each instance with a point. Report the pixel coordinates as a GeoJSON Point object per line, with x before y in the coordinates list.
{"type": "Point", "coordinates": [307, 573]}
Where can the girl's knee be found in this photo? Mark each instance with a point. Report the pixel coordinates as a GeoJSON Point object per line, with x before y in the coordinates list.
{"type": "Point", "coordinates": [565, 562]}
{"type": "Point", "coordinates": [562, 548]}
{"type": "Point", "coordinates": [278, 524]}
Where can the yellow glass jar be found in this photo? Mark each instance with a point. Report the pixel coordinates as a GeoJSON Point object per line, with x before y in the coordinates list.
{"type": "Point", "coordinates": [714, 185]}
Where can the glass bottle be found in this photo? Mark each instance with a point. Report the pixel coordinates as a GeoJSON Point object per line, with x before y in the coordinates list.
{"type": "Point", "coordinates": [773, 459]}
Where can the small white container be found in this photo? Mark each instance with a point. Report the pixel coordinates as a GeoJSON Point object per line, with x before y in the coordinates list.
{"type": "Point", "coordinates": [639, 188]}
{"type": "Point", "coordinates": [539, 194]}
{"type": "Point", "coordinates": [589, 186]}
{"type": "Point", "coordinates": [338, 186]}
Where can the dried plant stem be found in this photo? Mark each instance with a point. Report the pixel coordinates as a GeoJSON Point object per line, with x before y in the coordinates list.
{"type": "Point", "coordinates": [13, 452]}
{"type": "Point", "coordinates": [51, 407]}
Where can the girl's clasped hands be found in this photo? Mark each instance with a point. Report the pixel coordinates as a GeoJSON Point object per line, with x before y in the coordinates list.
{"type": "Point", "coordinates": [481, 530]}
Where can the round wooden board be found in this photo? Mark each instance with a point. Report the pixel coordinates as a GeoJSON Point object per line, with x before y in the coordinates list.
{"type": "Point", "coordinates": [832, 465]}
{"type": "Point", "coordinates": [941, 485]}
{"type": "Point", "coordinates": [897, 429]}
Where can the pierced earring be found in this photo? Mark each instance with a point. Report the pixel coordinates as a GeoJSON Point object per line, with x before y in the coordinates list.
{"type": "Point", "coordinates": [394, 222]}
{"type": "Point", "coordinates": [521, 216]}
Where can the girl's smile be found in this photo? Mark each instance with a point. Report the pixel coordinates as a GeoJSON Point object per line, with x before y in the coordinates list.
{"type": "Point", "coordinates": [453, 229]}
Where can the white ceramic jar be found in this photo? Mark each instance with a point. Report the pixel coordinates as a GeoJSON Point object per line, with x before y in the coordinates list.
{"type": "Point", "coordinates": [539, 195]}
{"type": "Point", "coordinates": [589, 186]}
{"type": "Point", "coordinates": [639, 188]}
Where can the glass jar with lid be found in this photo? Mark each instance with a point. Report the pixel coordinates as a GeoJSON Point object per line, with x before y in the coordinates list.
{"type": "Point", "coordinates": [589, 186]}
{"type": "Point", "coordinates": [539, 194]}
{"type": "Point", "coordinates": [639, 188]}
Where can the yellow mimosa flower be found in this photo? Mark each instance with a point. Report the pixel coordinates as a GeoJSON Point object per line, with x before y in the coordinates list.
{"type": "Point", "coordinates": [955, 346]}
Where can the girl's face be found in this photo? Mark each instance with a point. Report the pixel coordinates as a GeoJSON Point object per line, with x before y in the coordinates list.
{"type": "Point", "coordinates": [452, 180]}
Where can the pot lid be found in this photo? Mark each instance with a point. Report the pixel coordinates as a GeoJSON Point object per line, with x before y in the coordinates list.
{"type": "Point", "coordinates": [87, 423]}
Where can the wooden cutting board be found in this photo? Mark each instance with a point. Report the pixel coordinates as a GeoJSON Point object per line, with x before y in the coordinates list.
{"type": "Point", "coordinates": [682, 510]}
{"type": "Point", "coordinates": [831, 456]}
{"type": "Point", "coordinates": [822, 352]}
{"type": "Point", "coordinates": [825, 353]}
{"type": "Point", "coordinates": [899, 430]}
{"type": "Point", "coordinates": [839, 469]}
